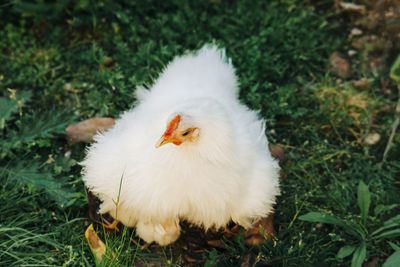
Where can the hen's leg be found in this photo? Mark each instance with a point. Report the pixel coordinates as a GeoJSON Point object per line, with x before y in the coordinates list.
{"type": "Point", "coordinates": [228, 232]}
{"type": "Point", "coordinates": [163, 233]}
{"type": "Point", "coordinates": [111, 226]}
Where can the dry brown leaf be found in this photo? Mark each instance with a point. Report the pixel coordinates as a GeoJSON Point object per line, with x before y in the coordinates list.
{"type": "Point", "coordinates": [192, 258]}
{"type": "Point", "coordinates": [352, 7]}
{"type": "Point", "coordinates": [85, 130]}
{"type": "Point", "coordinates": [108, 63]}
{"type": "Point", "coordinates": [216, 243]}
{"type": "Point", "coordinates": [278, 153]}
{"type": "Point", "coordinates": [372, 263]}
{"type": "Point", "coordinates": [358, 100]}
{"type": "Point", "coordinates": [339, 65]}
{"type": "Point", "coordinates": [344, 103]}
{"type": "Point", "coordinates": [262, 230]}
{"type": "Point", "coordinates": [96, 245]}
{"type": "Point", "coordinates": [363, 84]}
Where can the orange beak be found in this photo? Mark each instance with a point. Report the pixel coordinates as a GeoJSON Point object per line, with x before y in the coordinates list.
{"type": "Point", "coordinates": [168, 136]}
{"type": "Point", "coordinates": [162, 141]}
{"type": "Point", "coordinates": [167, 139]}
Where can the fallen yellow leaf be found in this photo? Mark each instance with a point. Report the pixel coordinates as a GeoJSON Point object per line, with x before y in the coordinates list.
{"type": "Point", "coordinates": [96, 245]}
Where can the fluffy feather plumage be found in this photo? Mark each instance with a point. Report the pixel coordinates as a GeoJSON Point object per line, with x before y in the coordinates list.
{"type": "Point", "coordinates": [226, 173]}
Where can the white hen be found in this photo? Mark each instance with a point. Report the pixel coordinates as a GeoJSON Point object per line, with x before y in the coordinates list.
{"type": "Point", "coordinates": [211, 164]}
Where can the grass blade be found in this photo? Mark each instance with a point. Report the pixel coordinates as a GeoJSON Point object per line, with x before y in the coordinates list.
{"type": "Point", "coordinates": [388, 234]}
{"type": "Point", "coordinates": [393, 220]}
{"type": "Point", "coordinates": [364, 200]}
{"type": "Point", "coordinates": [321, 217]}
{"type": "Point", "coordinates": [394, 246]}
{"type": "Point", "coordinates": [359, 255]}
{"type": "Point", "coordinates": [391, 223]}
{"type": "Point", "coordinates": [325, 218]}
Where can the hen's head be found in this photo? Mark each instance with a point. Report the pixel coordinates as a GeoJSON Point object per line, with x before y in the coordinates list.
{"type": "Point", "coordinates": [180, 129]}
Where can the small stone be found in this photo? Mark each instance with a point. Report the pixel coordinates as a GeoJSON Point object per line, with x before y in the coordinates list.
{"type": "Point", "coordinates": [357, 43]}
{"type": "Point", "coordinates": [356, 32]}
{"type": "Point", "coordinates": [372, 139]}
{"type": "Point", "coordinates": [67, 86]}
{"type": "Point", "coordinates": [67, 154]}
{"type": "Point", "coordinates": [352, 52]}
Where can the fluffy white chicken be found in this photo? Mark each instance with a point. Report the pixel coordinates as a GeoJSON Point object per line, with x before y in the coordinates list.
{"type": "Point", "coordinates": [189, 150]}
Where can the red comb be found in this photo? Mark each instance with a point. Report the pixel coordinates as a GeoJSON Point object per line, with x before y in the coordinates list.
{"type": "Point", "coordinates": [172, 125]}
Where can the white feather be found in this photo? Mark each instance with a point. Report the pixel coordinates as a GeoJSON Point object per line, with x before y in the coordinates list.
{"type": "Point", "coordinates": [227, 174]}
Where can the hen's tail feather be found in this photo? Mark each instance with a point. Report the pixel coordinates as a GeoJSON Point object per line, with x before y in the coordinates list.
{"type": "Point", "coordinates": [213, 49]}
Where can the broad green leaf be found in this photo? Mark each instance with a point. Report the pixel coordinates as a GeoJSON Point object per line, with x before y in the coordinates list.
{"type": "Point", "coordinates": [345, 251]}
{"type": "Point", "coordinates": [395, 70]}
{"type": "Point", "coordinates": [388, 234]}
{"type": "Point", "coordinates": [359, 255]}
{"type": "Point", "coordinates": [43, 124]}
{"type": "Point", "coordinates": [358, 228]}
{"type": "Point", "coordinates": [326, 218]}
{"type": "Point", "coordinates": [364, 200]}
{"type": "Point", "coordinates": [33, 175]}
{"type": "Point", "coordinates": [393, 260]}
{"type": "Point", "coordinates": [34, 128]}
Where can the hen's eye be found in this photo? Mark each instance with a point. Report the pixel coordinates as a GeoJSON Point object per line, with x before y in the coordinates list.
{"type": "Point", "coordinates": [185, 133]}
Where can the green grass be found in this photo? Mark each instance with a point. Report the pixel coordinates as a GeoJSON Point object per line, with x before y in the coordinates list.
{"type": "Point", "coordinates": [52, 55]}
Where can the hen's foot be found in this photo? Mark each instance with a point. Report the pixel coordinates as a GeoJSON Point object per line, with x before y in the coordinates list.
{"type": "Point", "coordinates": [111, 226]}
{"type": "Point", "coordinates": [162, 233]}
